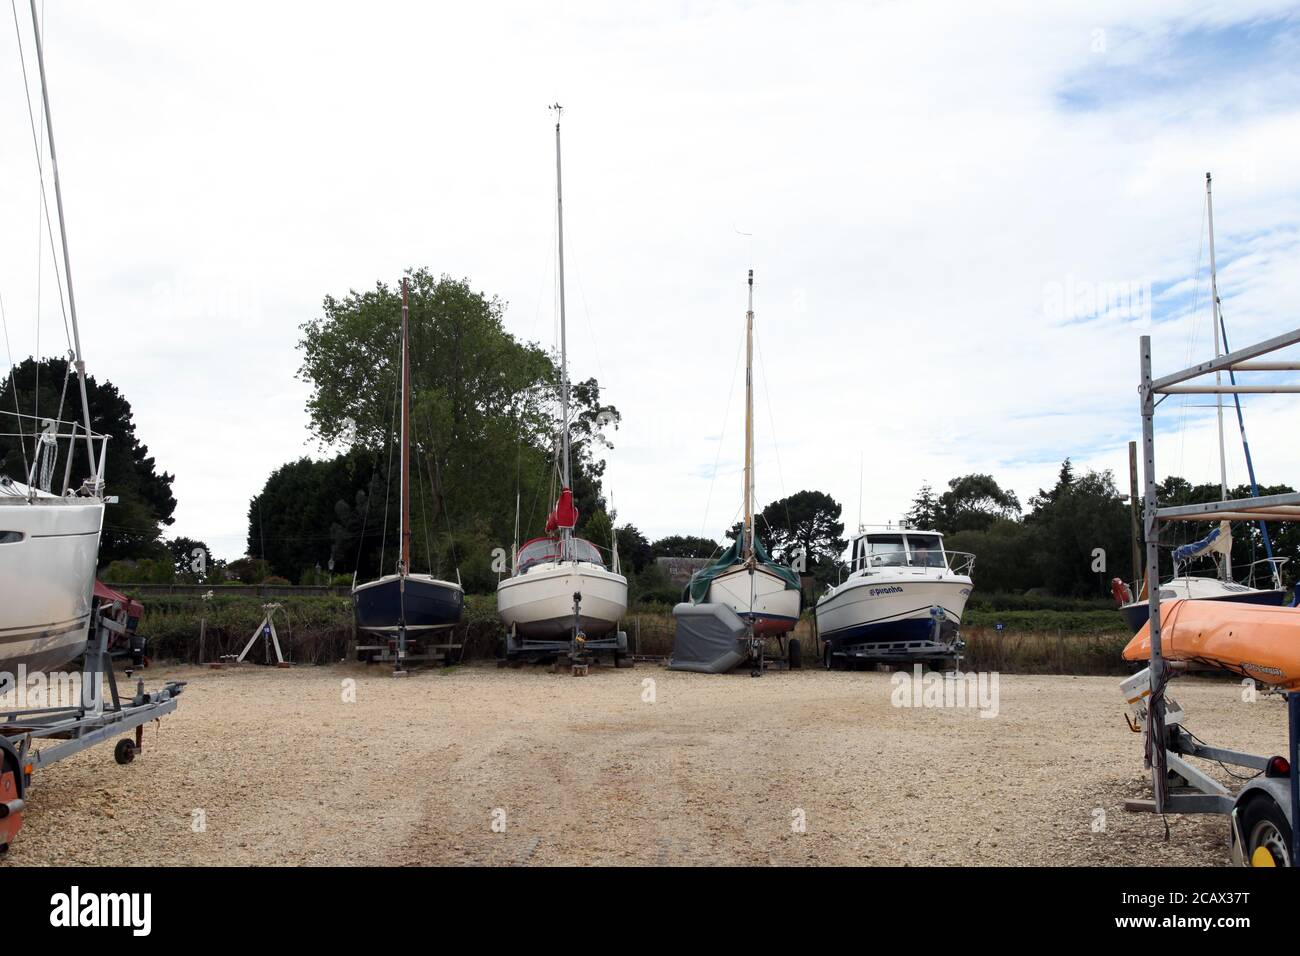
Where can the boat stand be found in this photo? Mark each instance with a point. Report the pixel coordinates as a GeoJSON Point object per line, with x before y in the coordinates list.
{"type": "Point", "coordinates": [1168, 769]}
{"type": "Point", "coordinates": [76, 727]}
{"type": "Point", "coordinates": [266, 631]}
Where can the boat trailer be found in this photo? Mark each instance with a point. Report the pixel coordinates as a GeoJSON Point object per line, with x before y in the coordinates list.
{"type": "Point", "coordinates": [76, 727]}
{"type": "Point", "coordinates": [575, 651]}
{"type": "Point", "coordinates": [1265, 814]}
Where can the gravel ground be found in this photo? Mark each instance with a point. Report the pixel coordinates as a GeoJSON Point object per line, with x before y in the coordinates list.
{"type": "Point", "coordinates": [585, 771]}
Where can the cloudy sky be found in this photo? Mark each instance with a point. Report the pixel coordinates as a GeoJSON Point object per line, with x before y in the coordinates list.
{"type": "Point", "coordinates": [960, 223]}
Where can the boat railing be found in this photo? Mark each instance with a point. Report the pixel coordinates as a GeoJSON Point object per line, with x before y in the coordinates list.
{"type": "Point", "coordinates": [956, 562]}
{"type": "Point", "coordinates": [46, 439]}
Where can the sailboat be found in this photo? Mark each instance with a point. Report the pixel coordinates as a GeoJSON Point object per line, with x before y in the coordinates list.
{"type": "Point", "coordinates": [559, 589]}
{"type": "Point", "coordinates": [406, 604]}
{"type": "Point", "coordinates": [1218, 543]}
{"type": "Point", "coordinates": [763, 593]}
{"type": "Point", "coordinates": [49, 541]}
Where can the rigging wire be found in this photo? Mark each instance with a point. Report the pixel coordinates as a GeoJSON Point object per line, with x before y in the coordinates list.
{"type": "Point", "coordinates": [772, 421]}
{"type": "Point", "coordinates": [40, 168]}
{"type": "Point", "coordinates": [13, 381]}
{"type": "Point", "coordinates": [726, 416]}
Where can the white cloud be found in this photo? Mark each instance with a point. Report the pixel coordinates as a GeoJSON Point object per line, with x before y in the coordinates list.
{"type": "Point", "coordinates": [910, 174]}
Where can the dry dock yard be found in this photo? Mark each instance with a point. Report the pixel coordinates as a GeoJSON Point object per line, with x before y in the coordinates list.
{"type": "Point", "coordinates": [476, 765]}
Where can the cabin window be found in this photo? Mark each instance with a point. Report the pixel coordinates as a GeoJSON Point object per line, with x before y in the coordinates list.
{"type": "Point", "coordinates": [926, 552]}
{"type": "Point", "coordinates": [886, 551]}
{"type": "Point", "coordinates": [10, 537]}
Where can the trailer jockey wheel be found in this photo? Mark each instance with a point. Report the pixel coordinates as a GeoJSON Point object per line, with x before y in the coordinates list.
{"type": "Point", "coordinates": [124, 752]}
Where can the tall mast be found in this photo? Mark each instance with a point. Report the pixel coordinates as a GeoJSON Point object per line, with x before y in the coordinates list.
{"type": "Point", "coordinates": [564, 354]}
{"type": "Point", "coordinates": [749, 421]}
{"type": "Point", "coordinates": [67, 260]}
{"type": "Point", "coordinates": [566, 475]}
{"type": "Point", "coordinates": [1225, 566]}
{"type": "Point", "coordinates": [404, 567]}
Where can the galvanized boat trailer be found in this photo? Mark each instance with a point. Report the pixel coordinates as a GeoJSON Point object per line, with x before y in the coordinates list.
{"type": "Point", "coordinates": [576, 651]}
{"type": "Point", "coordinates": [75, 727]}
{"type": "Point", "coordinates": [1269, 804]}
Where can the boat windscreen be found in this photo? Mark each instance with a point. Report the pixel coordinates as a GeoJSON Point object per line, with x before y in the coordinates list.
{"type": "Point", "coordinates": [926, 551]}
{"type": "Point", "coordinates": [547, 551]}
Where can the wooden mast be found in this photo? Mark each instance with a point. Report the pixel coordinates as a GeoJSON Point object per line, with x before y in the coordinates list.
{"type": "Point", "coordinates": [404, 566]}
{"type": "Point", "coordinates": [749, 423]}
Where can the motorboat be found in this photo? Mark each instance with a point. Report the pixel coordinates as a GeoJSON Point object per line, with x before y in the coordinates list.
{"type": "Point", "coordinates": [902, 601]}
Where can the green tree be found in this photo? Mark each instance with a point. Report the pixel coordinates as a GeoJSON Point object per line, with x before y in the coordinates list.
{"type": "Point", "coordinates": [924, 513]}
{"type": "Point", "coordinates": [974, 502]}
{"type": "Point", "coordinates": [684, 546]}
{"type": "Point", "coordinates": [133, 526]}
{"type": "Point", "coordinates": [806, 522]}
{"type": "Point", "coordinates": [634, 550]}
{"type": "Point", "coordinates": [483, 410]}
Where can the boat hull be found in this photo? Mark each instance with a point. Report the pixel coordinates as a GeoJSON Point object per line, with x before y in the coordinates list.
{"type": "Point", "coordinates": [49, 548]}
{"type": "Point", "coordinates": [1137, 613]}
{"type": "Point", "coordinates": [538, 604]}
{"type": "Point", "coordinates": [431, 604]}
{"type": "Point", "coordinates": [766, 601]}
{"type": "Point", "coordinates": [870, 611]}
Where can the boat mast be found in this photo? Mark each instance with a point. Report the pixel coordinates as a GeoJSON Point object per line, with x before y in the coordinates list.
{"type": "Point", "coordinates": [404, 566]}
{"type": "Point", "coordinates": [1225, 566]}
{"type": "Point", "coordinates": [749, 422]}
{"type": "Point", "coordinates": [566, 476]}
{"type": "Point", "coordinates": [67, 260]}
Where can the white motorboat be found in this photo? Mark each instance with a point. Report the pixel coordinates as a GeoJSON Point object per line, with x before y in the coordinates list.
{"type": "Point", "coordinates": [902, 601]}
{"type": "Point", "coordinates": [560, 596]}
{"type": "Point", "coordinates": [764, 593]}
{"type": "Point", "coordinates": [49, 541]}
{"type": "Point", "coordinates": [1217, 544]}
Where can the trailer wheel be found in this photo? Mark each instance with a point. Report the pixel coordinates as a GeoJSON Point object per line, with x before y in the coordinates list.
{"type": "Point", "coordinates": [124, 752]}
{"type": "Point", "coordinates": [794, 654]}
{"type": "Point", "coordinates": [1267, 834]}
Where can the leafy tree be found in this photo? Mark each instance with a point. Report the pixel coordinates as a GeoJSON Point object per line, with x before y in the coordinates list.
{"type": "Point", "coordinates": [924, 513]}
{"type": "Point", "coordinates": [807, 522]}
{"type": "Point", "coordinates": [483, 410]}
{"type": "Point", "coordinates": [184, 560]}
{"type": "Point", "coordinates": [1079, 521]}
{"type": "Point", "coordinates": [684, 546]}
{"type": "Point", "coordinates": [973, 502]}
{"type": "Point", "coordinates": [634, 550]}
{"type": "Point", "coordinates": [133, 526]}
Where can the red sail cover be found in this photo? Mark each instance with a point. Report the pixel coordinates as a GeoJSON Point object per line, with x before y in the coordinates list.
{"type": "Point", "coordinates": [565, 514]}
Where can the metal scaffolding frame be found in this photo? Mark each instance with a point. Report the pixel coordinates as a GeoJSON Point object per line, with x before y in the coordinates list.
{"type": "Point", "coordinates": [1284, 507]}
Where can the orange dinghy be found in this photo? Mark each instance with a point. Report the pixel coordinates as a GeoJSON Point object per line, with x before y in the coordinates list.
{"type": "Point", "coordinates": [1253, 640]}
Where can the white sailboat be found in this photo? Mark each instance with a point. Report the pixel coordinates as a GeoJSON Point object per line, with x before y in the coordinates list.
{"type": "Point", "coordinates": [1218, 543]}
{"type": "Point", "coordinates": [559, 594]}
{"type": "Point", "coordinates": [763, 593]}
{"type": "Point", "coordinates": [49, 541]}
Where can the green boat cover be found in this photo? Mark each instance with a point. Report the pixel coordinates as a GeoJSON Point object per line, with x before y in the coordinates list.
{"type": "Point", "coordinates": [698, 588]}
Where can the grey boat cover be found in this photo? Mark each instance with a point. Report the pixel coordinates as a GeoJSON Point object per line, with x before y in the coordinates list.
{"type": "Point", "coordinates": [708, 639]}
